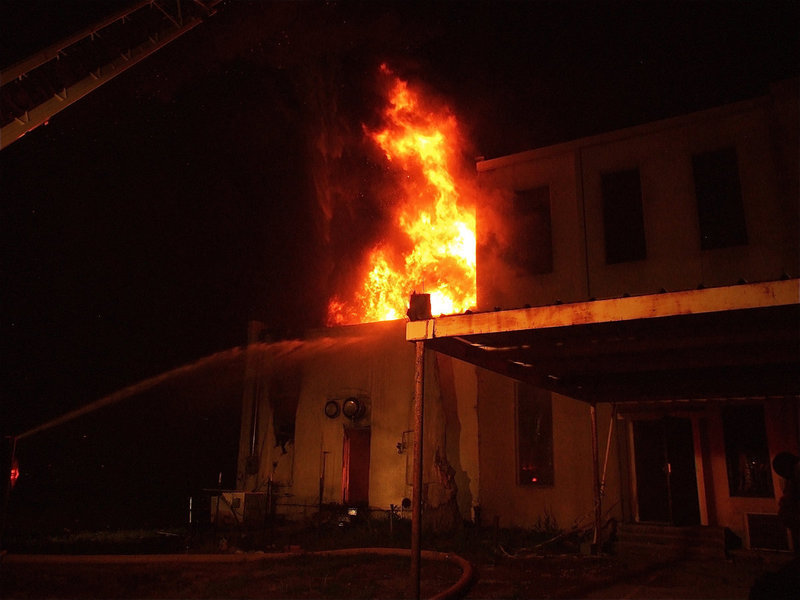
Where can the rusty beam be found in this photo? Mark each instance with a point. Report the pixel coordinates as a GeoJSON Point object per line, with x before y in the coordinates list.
{"type": "Point", "coordinates": [504, 365]}
{"type": "Point", "coordinates": [689, 302]}
{"type": "Point", "coordinates": [778, 326]}
{"type": "Point", "coordinates": [726, 382]}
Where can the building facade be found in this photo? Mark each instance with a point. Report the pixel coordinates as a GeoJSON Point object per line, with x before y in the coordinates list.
{"type": "Point", "coordinates": [698, 201]}
{"type": "Point", "coordinates": [637, 340]}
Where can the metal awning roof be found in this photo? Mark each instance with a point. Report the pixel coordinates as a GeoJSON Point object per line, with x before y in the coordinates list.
{"type": "Point", "coordinates": [724, 342]}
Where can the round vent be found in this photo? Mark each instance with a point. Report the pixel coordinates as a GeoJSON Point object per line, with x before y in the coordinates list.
{"type": "Point", "coordinates": [331, 409]}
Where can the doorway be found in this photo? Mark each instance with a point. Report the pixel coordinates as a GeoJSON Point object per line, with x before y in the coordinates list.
{"type": "Point", "coordinates": [355, 466]}
{"type": "Point", "coordinates": [666, 480]}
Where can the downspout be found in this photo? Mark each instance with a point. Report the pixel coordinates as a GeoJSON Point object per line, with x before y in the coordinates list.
{"type": "Point", "coordinates": [254, 421]}
{"type": "Point", "coordinates": [582, 199]}
{"type": "Point", "coordinates": [253, 387]}
{"type": "Point", "coordinates": [254, 336]}
{"type": "Point", "coordinates": [608, 449]}
{"type": "Point", "coordinates": [598, 508]}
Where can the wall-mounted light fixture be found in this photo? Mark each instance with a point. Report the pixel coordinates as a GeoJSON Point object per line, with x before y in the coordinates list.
{"type": "Point", "coordinates": [353, 408]}
{"type": "Point", "coordinates": [402, 445]}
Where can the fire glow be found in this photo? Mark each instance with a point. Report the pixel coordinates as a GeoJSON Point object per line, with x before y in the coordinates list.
{"type": "Point", "coordinates": [437, 252]}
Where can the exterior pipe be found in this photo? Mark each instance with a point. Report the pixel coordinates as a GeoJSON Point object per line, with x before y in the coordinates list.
{"type": "Point", "coordinates": [254, 424]}
{"type": "Point", "coordinates": [598, 508]}
{"type": "Point", "coordinates": [608, 449]}
{"type": "Point", "coordinates": [254, 373]}
{"type": "Point", "coordinates": [416, 495]}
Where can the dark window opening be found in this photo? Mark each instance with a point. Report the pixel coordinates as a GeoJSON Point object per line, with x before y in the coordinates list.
{"type": "Point", "coordinates": [746, 451]}
{"type": "Point", "coordinates": [284, 392]}
{"type": "Point", "coordinates": [719, 199]}
{"type": "Point", "coordinates": [623, 216]}
{"type": "Point", "coordinates": [285, 408]}
{"type": "Point", "coordinates": [534, 435]}
{"type": "Point", "coordinates": [531, 242]}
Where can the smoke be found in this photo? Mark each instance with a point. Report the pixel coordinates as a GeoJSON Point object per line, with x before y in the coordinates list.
{"type": "Point", "coordinates": [331, 53]}
{"type": "Point", "coordinates": [316, 69]}
{"type": "Point", "coordinates": [226, 364]}
{"type": "Point", "coordinates": [495, 213]}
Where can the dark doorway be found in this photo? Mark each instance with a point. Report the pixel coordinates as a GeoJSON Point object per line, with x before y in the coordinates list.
{"type": "Point", "coordinates": [355, 466]}
{"type": "Point", "coordinates": [666, 482]}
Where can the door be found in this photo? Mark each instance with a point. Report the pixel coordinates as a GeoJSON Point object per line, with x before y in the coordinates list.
{"type": "Point", "coordinates": [666, 481]}
{"type": "Point", "coordinates": [355, 466]}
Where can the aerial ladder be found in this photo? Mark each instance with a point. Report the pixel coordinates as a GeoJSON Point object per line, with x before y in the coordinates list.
{"type": "Point", "coordinates": [35, 89]}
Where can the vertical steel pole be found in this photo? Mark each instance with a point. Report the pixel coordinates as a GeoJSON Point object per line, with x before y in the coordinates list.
{"type": "Point", "coordinates": [598, 509]}
{"type": "Point", "coordinates": [416, 502]}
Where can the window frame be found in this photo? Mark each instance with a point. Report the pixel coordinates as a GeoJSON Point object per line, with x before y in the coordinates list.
{"type": "Point", "coordinates": [623, 216]}
{"type": "Point", "coordinates": [532, 206]}
{"type": "Point", "coordinates": [546, 476]}
{"type": "Point", "coordinates": [719, 201]}
{"type": "Point", "coordinates": [745, 434]}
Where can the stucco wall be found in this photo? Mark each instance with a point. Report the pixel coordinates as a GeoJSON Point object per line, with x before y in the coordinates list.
{"type": "Point", "coordinates": [451, 403]}
{"type": "Point", "coordinates": [374, 363]}
{"type": "Point", "coordinates": [570, 499]}
{"type": "Point", "coordinates": [675, 260]}
{"type": "Point", "coordinates": [662, 152]}
{"type": "Point", "coordinates": [763, 133]}
{"type": "Point", "coordinates": [377, 365]}
{"type": "Point", "coordinates": [503, 285]}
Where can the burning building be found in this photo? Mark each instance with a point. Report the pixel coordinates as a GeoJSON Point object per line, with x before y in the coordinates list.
{"type": "Point", "coordinates": [643, 368]}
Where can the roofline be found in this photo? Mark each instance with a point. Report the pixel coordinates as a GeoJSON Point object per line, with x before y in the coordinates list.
{"type": "Point", "coordinates": [616, 135]}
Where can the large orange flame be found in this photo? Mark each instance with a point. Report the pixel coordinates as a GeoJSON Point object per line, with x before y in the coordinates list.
{"type": "Point", "coordinates": [437, 226]}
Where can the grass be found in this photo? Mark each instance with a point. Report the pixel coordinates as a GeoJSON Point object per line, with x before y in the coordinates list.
{"type": "Point", "coordinates": [128, 541]}
{"type": "Point", "coordinates": [281, 536]}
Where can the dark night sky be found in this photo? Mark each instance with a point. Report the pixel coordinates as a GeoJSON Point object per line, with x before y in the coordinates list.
{"type": "Point", "coordinates": [147, 223]}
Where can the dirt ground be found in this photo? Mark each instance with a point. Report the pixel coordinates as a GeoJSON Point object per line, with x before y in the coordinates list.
{"type": "Point", "coordinates": [370, 576]}
{"type": "Point", "coordinates": [300, 577]}
{"type": "Point", "coordinates": [635, 577]}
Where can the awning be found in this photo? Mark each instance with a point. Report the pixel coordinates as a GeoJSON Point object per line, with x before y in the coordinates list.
{"type": "Point", "coordinates": [723, 342]}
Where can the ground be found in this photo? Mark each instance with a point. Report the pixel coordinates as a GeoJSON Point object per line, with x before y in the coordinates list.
{"type": "Point", "coordinates": [501, 572]}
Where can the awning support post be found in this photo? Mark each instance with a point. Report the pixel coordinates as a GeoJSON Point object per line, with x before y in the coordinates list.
{"type": "Point", "coordinates": [416, 496]}
{"type": "Point", "coordinates": [598, 508]}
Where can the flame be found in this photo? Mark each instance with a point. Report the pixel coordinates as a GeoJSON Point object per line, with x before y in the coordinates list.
{"type": "Point", "coordinates": [438, 231]}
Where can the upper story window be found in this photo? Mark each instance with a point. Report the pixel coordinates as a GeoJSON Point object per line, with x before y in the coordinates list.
{"type": "Point", "coordinates": [531, 242]}
{"type": "Point", "coordinates": [534, 436]}
{"type": "Point", "coordinates": [623, 216]}
{"type": "Point", "coordinates": [719, 199]}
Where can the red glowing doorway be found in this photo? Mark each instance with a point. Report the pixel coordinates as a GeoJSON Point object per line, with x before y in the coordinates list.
{"type": "Point", "coordinates": [355, 466]}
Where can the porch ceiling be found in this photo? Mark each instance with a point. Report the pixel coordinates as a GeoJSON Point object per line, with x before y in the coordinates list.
{"type": "Point", "coordinates": [734, 341]}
